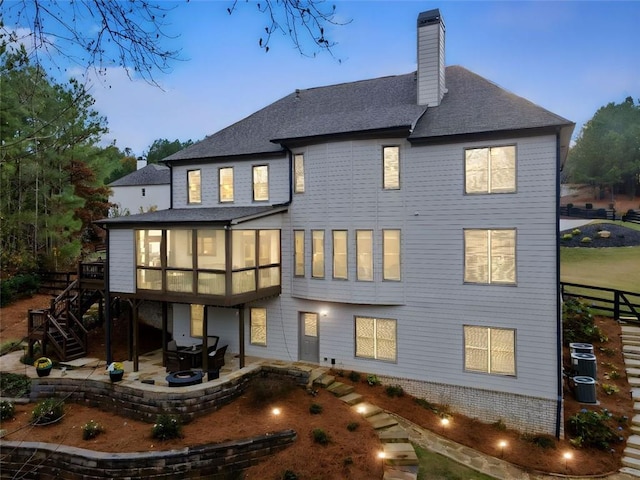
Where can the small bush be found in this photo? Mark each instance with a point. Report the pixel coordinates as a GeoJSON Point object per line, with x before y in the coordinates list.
{"type": "Point", "coordinates": [19, 286]}
{"type": "Point", "coordinates": [567, 237]}
{"type": "Point", "coordinates": [373, 380]}
{"type": "Point", "coordinates": [614, 375]}
{"type": "Point", "coordinates": [610, 389]}
{"type": "Point", "coordinates": [394, 391]}
{"type": "Point", "coordinates": [354, 377]}
{"type": "Point", "coordinates": [543, 441]}
{"type": "Point", "coordinates": [91, 429]}
{"type": "Point", "coordinates": [7, 410]}
{"type": "Point", "coordinates": [315, 409]}
{"type": "Point", "coordinates": [591, 429]}
{"type": "Point", "coordinates": [289, 475]}
{"type": "Point", "coordinates": [353, 426]}
{"type": "Point", "coordinates": [47, 411]}
{"type": "Point", "coordinates": [320, 436]}
{"type": "Point", "coordinates": [500, 425]}
{"type": "Point", "coordinates": [609, 352]}
{"type": "Point", "coordinates": [167, 427]}
{"type": "Point", "coordinates": [585, 240]}
{"type": "Point", "coordinates": [426, 404]}
{"type": "Point", "coordinates": [14, 385]}
{"type": "Point", "coordinates": [576, 231]}
{"type": "Point", "coordinates": [347, 461]}
{"type": "Point", "coordinates": [578, 324]}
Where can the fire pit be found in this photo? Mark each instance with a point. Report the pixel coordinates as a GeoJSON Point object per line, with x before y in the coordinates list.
{"type": "Point", "coordinates": [184, 378]}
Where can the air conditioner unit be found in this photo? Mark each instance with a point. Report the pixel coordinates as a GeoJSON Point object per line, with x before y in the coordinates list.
{"type": "Point", "coordinates": [585, 389]}
{"type": "Point", "coordinates": [584, 364]}
{"type": "Point", "coordinates": [581, 348]}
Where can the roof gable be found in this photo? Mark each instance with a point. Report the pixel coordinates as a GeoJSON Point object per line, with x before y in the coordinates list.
{"type": "Point", "coordinates": [152, 174]}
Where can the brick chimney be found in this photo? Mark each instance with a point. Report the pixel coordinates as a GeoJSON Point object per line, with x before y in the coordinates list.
{"type": "Point", "coordinates": [431, 84]}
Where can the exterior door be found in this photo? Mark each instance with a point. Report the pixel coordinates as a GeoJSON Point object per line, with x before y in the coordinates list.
{"type": "Point", "coordinates": [309, 344]}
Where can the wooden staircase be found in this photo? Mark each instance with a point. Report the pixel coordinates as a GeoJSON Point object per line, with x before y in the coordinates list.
{"type": "Point", "coordinates": [60, 329]}
{"type": "Point", "coordinates": [399, 456]}
{"type": "Point", "coordinates": [631, 353]}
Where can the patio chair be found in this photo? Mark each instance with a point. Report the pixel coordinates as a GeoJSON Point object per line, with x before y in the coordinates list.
{"type": "Point", "coordinates": [216, 362]}
{"type": "Point", "coordinates": [175, 362]}
{"type": "Point", "coordinates": [212, 344]}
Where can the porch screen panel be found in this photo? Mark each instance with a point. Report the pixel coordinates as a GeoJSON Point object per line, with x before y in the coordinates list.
{"type": "Point", "coordinates": [269, 277]}
{"type": "Point", "coordinates": [243, 248]}
{"type": "Point", "coordinates": [269, 247]}
{"type": "Point", "coordinates": [149, 279]}
{"type": "Point", "coordinates": [179, 281]}
{"type": "Point", "coordinates": [211, 249]}
{"type": "Point", "coordinates": [148, 248]}
{"type": "Point", "coordinates": [211, 283]}
{"type": "Point", "coordinates": [179, 249]}
{"type": "Point", "coordinates": [244, 281]}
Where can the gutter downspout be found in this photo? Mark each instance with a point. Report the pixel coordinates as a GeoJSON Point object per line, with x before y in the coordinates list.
{"type": "Point", "coordinates": [107, 306]}
{"type": "Point", "coordinates": [558, 295]}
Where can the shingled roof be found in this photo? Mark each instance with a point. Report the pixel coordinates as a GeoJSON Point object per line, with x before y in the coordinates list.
{"type": "Point", "coordinates": [472, 105]}
{"type": "Point", "coordinates": [152, 174]}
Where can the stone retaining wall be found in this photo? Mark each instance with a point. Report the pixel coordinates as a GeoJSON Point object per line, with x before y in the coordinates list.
{"type": "Point", "coordinates": [221, 461]}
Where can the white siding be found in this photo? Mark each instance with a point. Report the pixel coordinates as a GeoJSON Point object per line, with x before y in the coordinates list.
{"type": "Point", "coordinates": [122, 263]}
{"type": "Point", "coordinates": [242, 182]}
{"type": "Point", "coordinates": [130, 197]}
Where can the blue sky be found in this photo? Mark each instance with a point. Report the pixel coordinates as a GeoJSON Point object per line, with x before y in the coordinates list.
{"type": "Point", "coordinates": [570, 57]}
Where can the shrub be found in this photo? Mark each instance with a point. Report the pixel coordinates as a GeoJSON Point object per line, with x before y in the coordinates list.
{"type": "Point", "coordinates": [289, 475]}
{"type": "Point", "coordinates": [610, 389]}
{"type": "Point", "coordinates": [22, 285]}
{"type": "Point", "coordinates": [7, 410]}
{"type": "Point", "coordinates": [585, 240]}
{"type": "Point", "coordinates": [347, 461]}
{"type": "Point", "coordinates": [353, 426]}
{"type": "Point", "coordinates": [47, 411]}
{"type": "Point", "coordinates": [315, 409]}
{"type": "Point", "coordinates": [578, 324]}
{"type": "Point", "coordinates": [91, 430]}
{"type": "Point", "coordinates": [543, 441]}
{"type": "Point", "coordinates": [320, 436]}
{"type": "Point", "coordinates": [373, 380]}
{"type": "Point", "coordinates": [614, 375]}
{"type": "Point", "coordinates": [354, 377]}
{"type": "Point", "coordinates": [394, 391]}
{"type": "Point", "coordinates": [167, 427]}
{"type": "Point", "coordinates": [14, 385]}
{"type": "Point", "coordinates": [567, 237]}
{"type": "Point", "coordinates": [500, 425]}
{"type": "Point", "coordinates": [591, 429]}
{"type": "Point", "coordinates": [576, 231]}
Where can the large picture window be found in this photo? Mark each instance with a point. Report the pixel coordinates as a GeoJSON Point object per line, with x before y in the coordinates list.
{"type": "Point", "coordinates": [340, 263]}
{"type": "Point", "coordinates": [391, 254]}
{"type": "Point", "coordinates": [317, 253]}
{"type": "Point", "coordinates": [261, 183]}
{"type": "Point", "coordinates": [194, 186]}
{"type": "Point", "coordinates": [376, 338]}
{"type": "Point", "coordinates": [490, 350]}
{"type": "Point", "coordinates": [490, 170]}
{"type": "Point", "coordinates": [298, 173]}
{"type": "Point", "coordinates": [298, 253]}
{"type": "Point", "coordinates": [490, 256]}
{"type": "Point", "coordinates": [258, 326]}
{"type": "Point", "coordinates": [391, 168]}
{"type": "Point", "coordinates": [364, 255]}
{"type": "Point", "coordinates": [225, 180]}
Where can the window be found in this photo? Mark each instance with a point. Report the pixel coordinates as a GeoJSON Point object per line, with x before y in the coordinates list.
{"type": "Point", "coordinates": [340, 254]}
{"type": "Point", "coordinates": [317, 253]}
{"type": "Point", "coordinates": [225, 180]}
{"type": "Point", "coordinates": [489, 350]}
{"type": "Point", "coordinates": [258, 326]}
{"type": "Point", "coordinates": [376, 338]}
{"type": "Point", "coordinates": [197, 320]}
{"type": "Point", "coordinates": [144, 192]}
{"type": "Point", "coordinates": [148, 259]}
{"type": "Point", "coordinates": [391, 168]}
{"type": "Point", "coordinates": [179, 261]}
{"type": "Point", "coordinates": [298, 173]}
{"type": "Point", "coordinates": [298, 253]}
{"type": "Point", "coordinates": [391, 254]}
{"type": "Point", "coordinates": [490, 170]}
{"type": "Point", "coordinates": [364, 255]}
{"type": "Point", "coordinates": [268, 258]}
{"type": "Point", "coordinates": [261, 183]}
{"type": "Point", "coordinates": [193, 180]}
{"type": "Point", "coordinates": [490, 256]}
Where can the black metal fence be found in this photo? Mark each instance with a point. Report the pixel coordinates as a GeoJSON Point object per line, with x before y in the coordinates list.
{"type": "Point", "coordinates": [618, 304]}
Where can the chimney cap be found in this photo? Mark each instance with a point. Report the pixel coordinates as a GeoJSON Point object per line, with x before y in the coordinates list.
{"type": "Point", "coordinates": [429, 17]}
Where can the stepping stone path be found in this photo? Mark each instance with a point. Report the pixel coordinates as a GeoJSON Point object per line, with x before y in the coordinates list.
{"type": "Point", "coordinates": [631, 353]}
{"type": "Point", "coordinates": [400, 459]}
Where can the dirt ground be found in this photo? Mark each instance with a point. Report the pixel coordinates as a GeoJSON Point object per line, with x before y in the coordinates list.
{"type": "Point", "coordinates": [241, 418]}
{"type": "Point", "coordinates": [583, 194]}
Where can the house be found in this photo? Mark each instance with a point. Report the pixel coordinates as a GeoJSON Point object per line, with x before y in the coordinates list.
{"type": "Point", "coordinates": [403, 226]}
{"type": "Point", "coordinates": [148, 188]}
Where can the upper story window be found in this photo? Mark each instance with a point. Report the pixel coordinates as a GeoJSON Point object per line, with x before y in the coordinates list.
{"type": "Point", "coordinates": [317, 253]}
{"type": "Point", "coordinates": [490, 350]}
{"type": "Point", "coordinates": [391, 168]}
{"type": "Point", "coordinates": [298, 173]}
{"type": "Point", "coordinates": [340, 254]}
{"type": "Point", "coordinates": [298, 253]}
{"type": "Point", "coordinates": [225, 181]}
{"type": "Point", "coordinates": [364, 255]}
{"type": "Point", "coordinates": [194, 186]}
{"type": "Point", "coordinates": [490, 256]}
{"type": "Point", "coordinates": [490, 170]}
{"type": "Point", "coordinates": [391, 254]}
{"type": "Point", "coordinates": [260, 183]}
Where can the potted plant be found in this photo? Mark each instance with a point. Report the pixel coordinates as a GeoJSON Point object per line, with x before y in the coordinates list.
{"type": "Point", "coordinates": [116, 371]}
{"type": "Point", "coordinates": [43, 366]}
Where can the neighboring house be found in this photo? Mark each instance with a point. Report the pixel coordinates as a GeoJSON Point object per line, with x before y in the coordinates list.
{"type": "Point", "coordinates": [148, 188]}
{"type": "Point", "coordinates": [403, 226]}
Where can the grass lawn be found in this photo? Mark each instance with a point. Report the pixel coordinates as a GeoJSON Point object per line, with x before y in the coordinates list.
{"type": "Point", "coordinates": [434, 466]}
{"type": "Point", "coordinates": [617, 268]}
